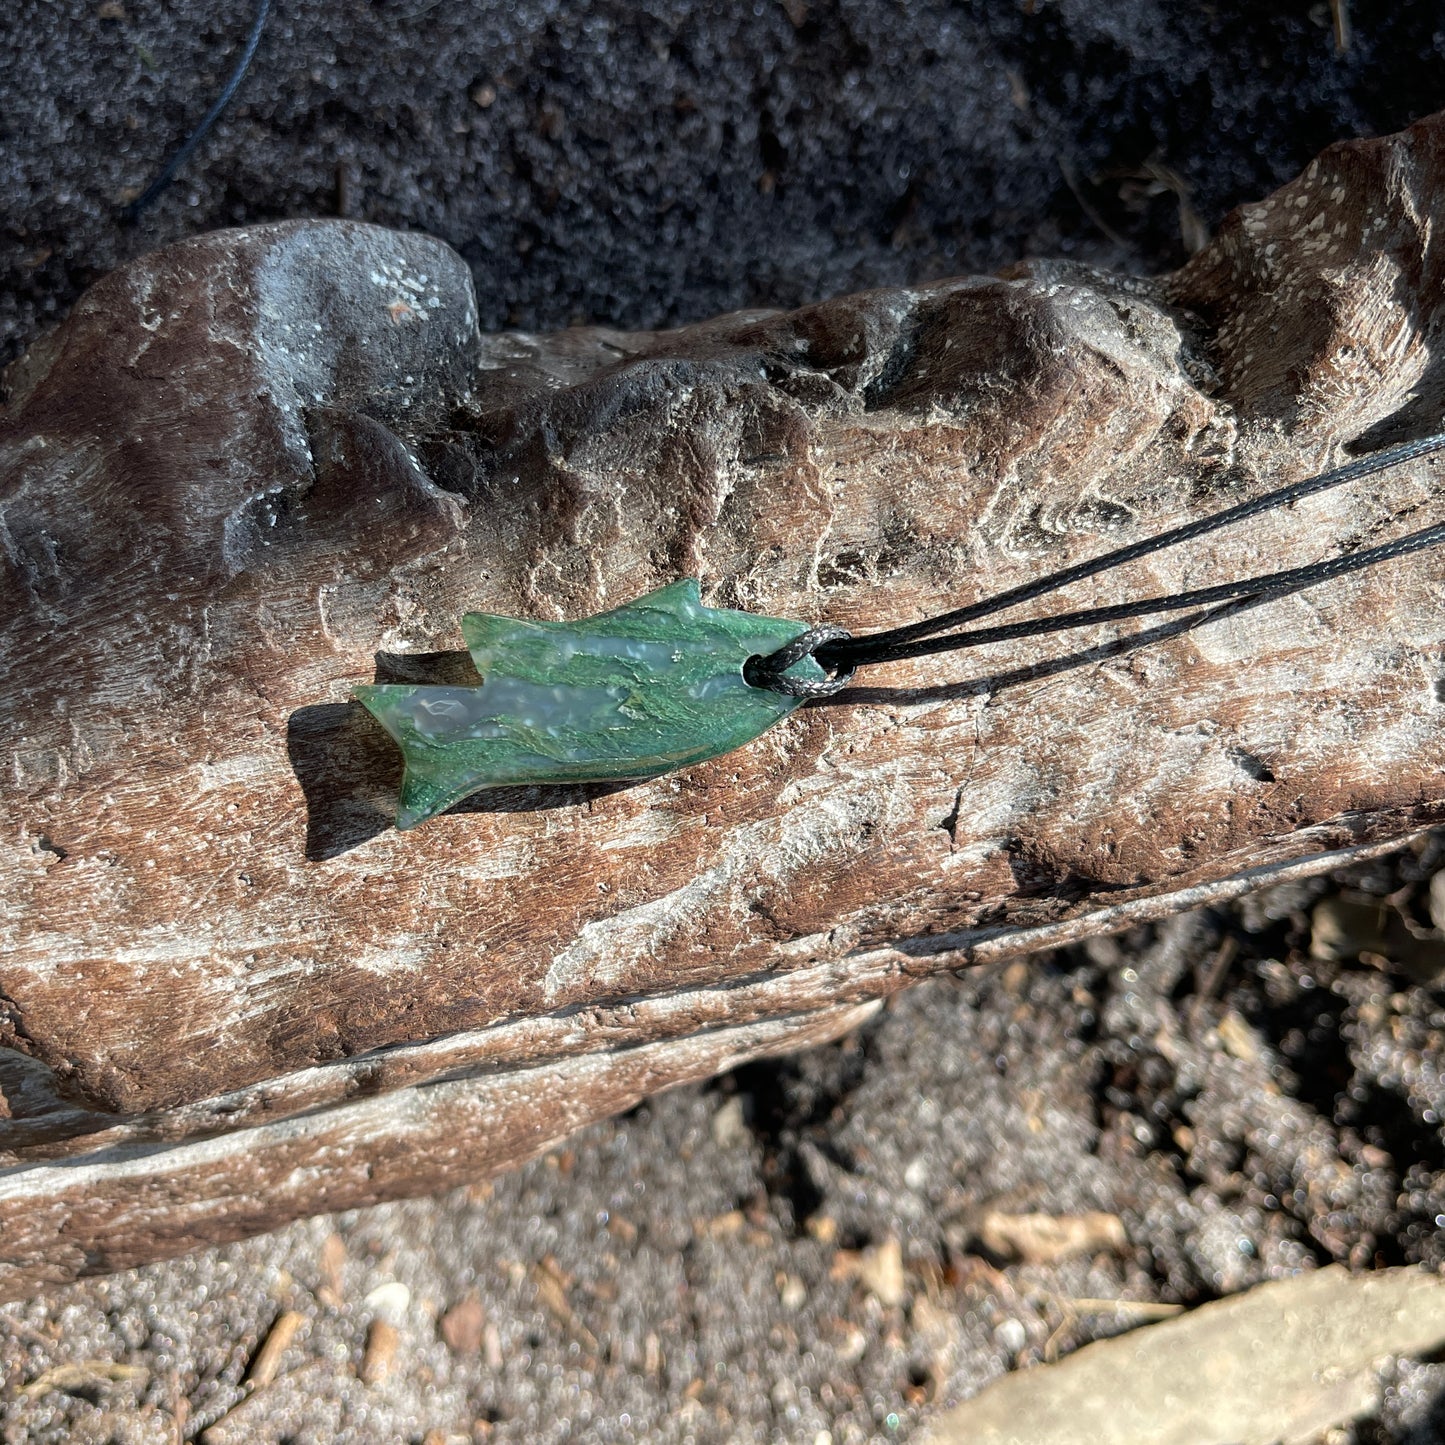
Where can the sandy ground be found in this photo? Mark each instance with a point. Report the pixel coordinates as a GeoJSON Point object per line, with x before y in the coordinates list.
{"type": "Point", "coordinates": [796, 1252]}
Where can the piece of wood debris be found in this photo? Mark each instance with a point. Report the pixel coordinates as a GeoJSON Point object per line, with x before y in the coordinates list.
{"type": "Point", "coordinates": [267, 1362]}
{"type": "Point", "coordinates": [240, 1424]}
{"type": "Point", "coordinates": [1240, 1041]}
{"type": "Point", "coordinates": [331, 1263]}
{"type": "Point", "coordinates": [382, 1339]}
{"type": "Point", "coordinates": [1137, 1309]}
{"type": "Point", "coordinates": [879, 1269]}
{"type": "Point", "coordinates": [82, 1375]}
{"type": "Point", "coordinates": [1048, 1238]}
{"type": "Point", "coordinates": [552, 1285]}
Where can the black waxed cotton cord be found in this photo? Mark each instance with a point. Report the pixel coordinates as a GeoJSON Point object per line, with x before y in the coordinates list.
{"type": "Point", "coordinates": [840, 655]}
{"type": "Point", "coordinates": [187, 147]}
{"type": "Point", "coordinates": [1292, 579]}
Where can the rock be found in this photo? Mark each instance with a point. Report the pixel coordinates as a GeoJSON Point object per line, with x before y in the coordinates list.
{"type": "Point", "coordinates": [257, 468]}
{"type": "Point", "coordinates": [1282, 1362]}
{"type": "Point", "coordinates": [1349, 927]}
{"type": "Point", "coordinates": [463, 1326]}
{"type": "Point", "coordinates": [729, 1125]}
{"type": "Point", "coordinates": [1437, 900]}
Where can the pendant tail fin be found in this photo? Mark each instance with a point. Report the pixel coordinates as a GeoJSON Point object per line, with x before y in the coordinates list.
{"type": "Point", "coordinates": [421, 798]}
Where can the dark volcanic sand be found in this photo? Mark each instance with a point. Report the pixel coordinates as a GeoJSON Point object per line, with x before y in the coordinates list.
{"type": "Point", "coordinates": [684, 1273]}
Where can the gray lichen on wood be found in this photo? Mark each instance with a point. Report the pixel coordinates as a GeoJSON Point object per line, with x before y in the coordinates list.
{"type": "Point", "coordinates": [258, 467]}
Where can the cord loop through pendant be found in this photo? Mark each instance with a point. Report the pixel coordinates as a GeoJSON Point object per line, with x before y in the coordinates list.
{"type": "Point", "coordinates": [769, 671]}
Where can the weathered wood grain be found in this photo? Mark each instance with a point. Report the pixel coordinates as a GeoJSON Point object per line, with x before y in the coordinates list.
{"type": "Point", "coordinates": [258, 467]}
{"type": "Point", "coordinates": [124, 1206]}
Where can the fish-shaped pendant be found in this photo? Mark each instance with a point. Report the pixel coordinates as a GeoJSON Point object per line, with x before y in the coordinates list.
{"type": "Point", "coordinates": [651, 686]}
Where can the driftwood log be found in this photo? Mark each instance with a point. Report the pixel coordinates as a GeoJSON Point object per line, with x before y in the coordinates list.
{"type": "Point", "coordinates": [258, 467]}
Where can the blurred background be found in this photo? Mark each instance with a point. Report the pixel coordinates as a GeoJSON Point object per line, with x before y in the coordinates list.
{"type": "Point", "coordinates": [646, 164]}
{"type": "Point", "coordinates": [825, 1249]}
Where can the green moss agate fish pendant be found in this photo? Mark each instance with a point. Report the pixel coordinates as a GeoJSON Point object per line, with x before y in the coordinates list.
{"type": "Point", "coordinates": [648, 687]}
